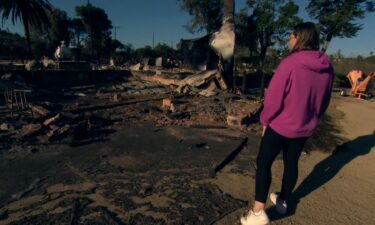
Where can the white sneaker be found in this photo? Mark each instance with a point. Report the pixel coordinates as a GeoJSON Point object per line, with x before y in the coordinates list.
{"type": "Point", "coordinates": [252, 218]}
{"type": "Point", "coordinates": [281, 206]}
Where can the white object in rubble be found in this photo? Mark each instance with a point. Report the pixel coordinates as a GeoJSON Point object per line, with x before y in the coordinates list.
{"type": "Point", "coordinates": [4, 126]}
{"type": "Point", "coordinates": [136, 67]}
{"type": "Point", "coordinates": [62, 52]}
{"type": "Point", "coordinates": [159, 62]}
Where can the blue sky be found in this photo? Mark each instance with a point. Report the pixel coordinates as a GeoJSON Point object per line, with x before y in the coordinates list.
{"type": "Point", "coordinates": [138, 19]}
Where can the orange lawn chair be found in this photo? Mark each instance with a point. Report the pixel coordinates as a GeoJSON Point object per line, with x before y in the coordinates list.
{"type": "Point", "coordinates": [359, 88]}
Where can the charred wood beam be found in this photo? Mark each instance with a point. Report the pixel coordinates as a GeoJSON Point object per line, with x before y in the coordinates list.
{"type": "Point", "coordinates": [114, 105]}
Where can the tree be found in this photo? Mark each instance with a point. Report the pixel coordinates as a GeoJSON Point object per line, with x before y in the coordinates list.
{"type": "Point", "coordinates": [165, 51]}
{"type": "Point", "coordinates": [112, 46]}
{"type": "Point", "coordinates": [371, 58]}
{"type": "Point", "coordinates": [268, 23]}
{"type": "Point", "coordinates": [59, 29]}
{"type": "Point", "coordinates": [116, 45]}
{"type": "Point", "coordinates": [46, 38]}
{"type": "Point", "coordinates": [124, 54]}
{"type": "Point", "coordinates": [12, 45]}
{"type": "Point", "coordinates": [144, 52]}
{"type": "Point", "coordinates": [98, 27]}
{"type": "Point", "coordinates": [77, 30]}
{"type": "Point", "coordinates": [337, 18]}
{"type": "Point", "coordinates": [28, 12]}
{"type": "Point", "coordinates": [207, 14]}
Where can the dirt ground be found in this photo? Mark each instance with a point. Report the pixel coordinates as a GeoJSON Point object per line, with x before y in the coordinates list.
{"type": "Point", "coordinates": [151, 174]}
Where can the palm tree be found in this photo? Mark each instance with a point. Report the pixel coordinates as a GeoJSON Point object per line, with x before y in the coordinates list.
{"type": "Point", "coordinates": [28, 12]}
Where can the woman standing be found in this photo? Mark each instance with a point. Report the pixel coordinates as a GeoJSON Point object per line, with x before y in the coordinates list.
{"type": "Point", "coordinates": [297, 97]}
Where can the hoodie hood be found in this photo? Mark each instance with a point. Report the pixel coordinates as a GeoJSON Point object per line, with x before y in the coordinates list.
{"type": "Point", "coordinates": [316, 61]}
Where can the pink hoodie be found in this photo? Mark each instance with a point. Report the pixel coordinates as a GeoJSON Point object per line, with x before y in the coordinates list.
{"type": "Point", "coordinates": [299, 94]}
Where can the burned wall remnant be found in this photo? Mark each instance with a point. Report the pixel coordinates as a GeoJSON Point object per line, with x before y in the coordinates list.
{"type": "Point", "coordinates": [213, 51]}
{"type": "Point", "coordinates": [197, 54]}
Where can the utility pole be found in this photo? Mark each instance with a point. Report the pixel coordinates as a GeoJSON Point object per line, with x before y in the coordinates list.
{"type": "Point", "coordinates": [153, 40]}
{"type": "Point", "coordinates": [116, 27]}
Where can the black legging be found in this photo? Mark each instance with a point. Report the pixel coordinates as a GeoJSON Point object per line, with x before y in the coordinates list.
{"type": "Point", "coordinates": [271, 145]}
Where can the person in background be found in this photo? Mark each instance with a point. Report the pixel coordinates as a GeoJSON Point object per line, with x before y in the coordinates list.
{"type": "Point", "coordinates": [298, 95]}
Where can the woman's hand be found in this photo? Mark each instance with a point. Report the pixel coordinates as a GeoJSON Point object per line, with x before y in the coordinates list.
{"type": "Point", "coordinates": [264, 130]}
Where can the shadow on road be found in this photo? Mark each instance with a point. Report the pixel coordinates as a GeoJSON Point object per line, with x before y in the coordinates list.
{"type": "Point", "coordinates": [327, 169]}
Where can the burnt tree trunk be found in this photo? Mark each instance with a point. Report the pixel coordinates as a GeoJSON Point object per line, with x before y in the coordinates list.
{"type": "Point", "coordinates": [28, 39]}
{"type": "Point", "coordinates": [327, 41]}
{"type": "Point", "coordinates": [228, 64]}
{"type": "Point", "coordinates": [228, 8]}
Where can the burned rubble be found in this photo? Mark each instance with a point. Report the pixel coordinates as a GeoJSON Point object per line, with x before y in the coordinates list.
{"type": "Point", "coordinates": [135, 151]}
{"type": "Point", "coordinates": [133, 181]}
{"type": "Point", "coordinates": [87, 110]}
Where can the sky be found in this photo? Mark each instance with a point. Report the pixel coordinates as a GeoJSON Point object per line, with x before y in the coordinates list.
{"type": "Point", "coordinates": [139, 19]}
